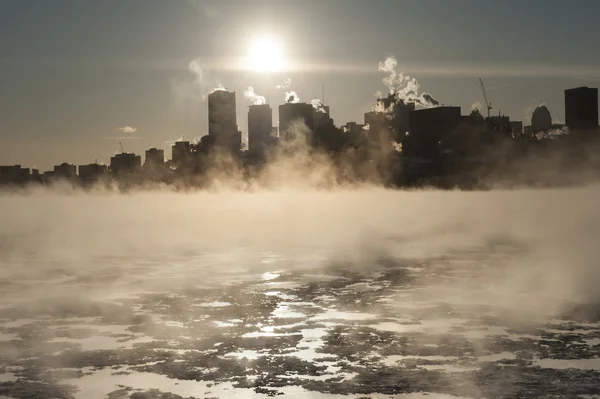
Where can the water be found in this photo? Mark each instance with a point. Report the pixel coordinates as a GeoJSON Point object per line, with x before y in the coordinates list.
{"type": "Point", "coordinates": [448, 315]}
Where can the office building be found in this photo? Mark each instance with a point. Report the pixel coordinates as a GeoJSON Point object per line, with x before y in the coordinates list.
{"type": "Point", "coordinates": [154, 156]}
{"type": "Point", "coordinates": [390, 119]}
{"type": "Point", "coordinates": [65, 170]}
{"type": "Point", "coordinates": [92, 172]}
{"type": "Point", "coordinates": [428, 127]}
{"type": "Point", "coordinates": [581, 108]}
{"type": "Point", "coordinates": [516, 128]}
{"type": "Point", "coordinates": [14, 174]}
{"type": "Point", "coordinates": [181, 152]}
{"type": "Point", "coordinates": [500, 124]}
{"type": "Point", "coordinates": [541, 120]}
{"type": "Point", "coordinates": [295, 113]}
{"type": "Point", "coordinates": [260, 127]}
{"type": "Point", "coordinates": [222, 120]}
{"type": "Point", "coordinates": [125, 163]}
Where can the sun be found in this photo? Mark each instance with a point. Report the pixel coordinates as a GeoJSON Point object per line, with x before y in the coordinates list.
{"type": "Point", "coordinates": [265, 55]}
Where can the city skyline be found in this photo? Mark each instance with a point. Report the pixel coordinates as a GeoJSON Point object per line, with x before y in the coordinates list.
{"type": "Point", "coordinates": [72, 98]}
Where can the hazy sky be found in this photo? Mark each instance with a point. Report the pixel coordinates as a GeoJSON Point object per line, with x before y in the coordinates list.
{"type": "Point", "coordinates": [72, 72]}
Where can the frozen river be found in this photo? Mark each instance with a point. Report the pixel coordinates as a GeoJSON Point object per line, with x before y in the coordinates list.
{"type": "Point", "coordinates": [94, 305]}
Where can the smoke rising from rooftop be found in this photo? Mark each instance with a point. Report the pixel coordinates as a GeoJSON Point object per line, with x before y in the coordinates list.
{"type": "Point", "coordinates": [318, 105]}
{"type": "Point", "coordinates": [287, 82]}
{"type": "Point", "coordinates": [404, 87]}
{"type": "Point", "coordinates": [291, 97]}
{"type": "Point", "coordinates": [254, 98]}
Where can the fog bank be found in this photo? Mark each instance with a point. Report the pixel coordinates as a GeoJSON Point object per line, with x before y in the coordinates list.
{"type": "Point", "coordinates": [536, 249]}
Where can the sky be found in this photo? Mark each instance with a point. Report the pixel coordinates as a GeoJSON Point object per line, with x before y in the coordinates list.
{"type": "Point", "coordinates": [78, 76]}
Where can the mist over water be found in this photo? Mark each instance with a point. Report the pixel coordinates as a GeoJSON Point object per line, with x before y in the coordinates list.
{"type": "Point", "coordinates": [549, 237]}
{"type": "Point", "coordinates": [180, 291]}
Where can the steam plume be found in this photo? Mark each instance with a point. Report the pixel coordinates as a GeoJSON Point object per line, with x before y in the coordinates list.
{"type": "Point", "coordinates": [219, 87]}
{"type": "Point", "coordinates": [254, 98]}
{"type": "Point", "coordinates": [404, 87]}
{"type": "Point", "coordinates": [195, 67]}
{"type": "Point", "coordinates": [292, 97]}
{"type": "Point", "coordinates": [318, 105]}
{"type": "Point", "coordinates": [285, 85]}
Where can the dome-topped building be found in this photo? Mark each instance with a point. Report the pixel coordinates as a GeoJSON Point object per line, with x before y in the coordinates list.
{"type": "Point", "coordinates": [541, 120]}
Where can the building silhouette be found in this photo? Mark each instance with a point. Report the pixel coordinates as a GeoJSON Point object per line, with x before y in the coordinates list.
{"type": "Point", "coordinates": [541, 120]}
{"type": "Point", "coordinates": [222, 120]}
{"type": "Point", "coordinates": [14, 174]}
{"type": "Point", "coordinates": [428, 127]}
{"type": "Point", "coordinates": [581, 108]}
{"type": "Point", "coordinates": [125, 163]}
{"type": "Point", "coordinates": [181, 152]}
{"type": "Point", "coordinates": [92, 172]}
{"type": "Point", "coordinates": [154, 156]}
{"type": "Point", "coordinates": [321, 115]}
{"type": "Point", "coordinates": [516, 128]}
{"type": "Point", "coordinates": [390, 119]}
{"type": "Point", "coordinates": [260, 128]}
{"type": "Point", "coordinates": [499, 123]}
{"type": "Point", "coordinates": [292, 113]}
{"type": "Point", "coordinates": [65, 170]}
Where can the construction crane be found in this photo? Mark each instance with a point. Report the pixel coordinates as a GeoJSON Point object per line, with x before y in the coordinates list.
{"type": "Point", "coordinates": [488, 104]}
{"type": "Point", "coordinates": [121, 144]}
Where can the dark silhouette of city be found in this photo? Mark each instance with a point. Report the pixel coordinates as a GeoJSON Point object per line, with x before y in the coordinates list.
{"type": "Point", "coordinates": [404, 141]}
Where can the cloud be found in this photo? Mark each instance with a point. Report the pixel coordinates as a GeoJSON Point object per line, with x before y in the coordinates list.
{"type": "Point", "coordinates": [127, 129]}
{"type": "Point", "coordinates": [476, 106]}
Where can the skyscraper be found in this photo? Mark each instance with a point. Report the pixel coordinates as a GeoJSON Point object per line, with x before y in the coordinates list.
{"type": "Point", "coordinates": [291, 113]}
{"type": "Point", "coordinates": [427, 128]}
{"type": "Point", "coordinates": [155, 156]}
{"type": "Point", "coordinates": [222, 121]}
{"type": "Point", "coordinates": [65, 170]}
{"type": "Point", "coordinates": [180, 152]}
{"type": "Point", "coordinates": [260, 126]}
{"type": "Point", "coordinates": [125, 163]}
{"type": "Point", "coordinates": [390, 119]}
{"type": "Point", "coordinates": [581, 108]}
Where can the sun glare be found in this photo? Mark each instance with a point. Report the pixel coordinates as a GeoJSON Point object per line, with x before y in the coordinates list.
{"type": "Point", "coordinates": [265, 55]}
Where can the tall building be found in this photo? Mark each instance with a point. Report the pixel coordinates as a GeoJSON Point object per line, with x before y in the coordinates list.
{"type": "Point", "coordinates": [222, 121]}
{"type": "Point", "coordinates": [516, 128]}
{"type": "Point", "coordinates": [14, 174]}
{"type": "Point", "coordinates": [581, 108]}
{"type": "Point", "coordinates": [65, 170]}
{"type": "Point", "coordinates": [321, 115]}
{"type": "Point", "coordinates": [125, 163]}
{"type": "Point", "coordinates": [92, 172]}
{"type": "Point", "coordinates": [260, 126]}
{"type": "Point", "coordinates": [291, 113]}
{"type": "Point", "coordinates": [180, 152]}
{"type": "Point", "coordinates": [541, 120]}
{"type": "Point", "coordinates": [500, 124]}
{"type": "Point", "coordinates": [389, 119]}
{"type": "Point", "coordinates": [428, 127]}
{"type": "Point", "coordinates": [155, 156]}
{"type": "Point", "coordinates": [380, 126]}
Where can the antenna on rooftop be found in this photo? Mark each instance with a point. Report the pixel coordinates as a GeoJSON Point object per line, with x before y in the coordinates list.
{"type": "Point", "coordinates": [121, 144]}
